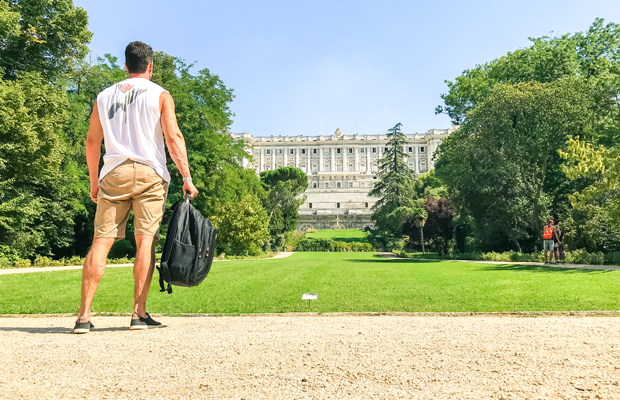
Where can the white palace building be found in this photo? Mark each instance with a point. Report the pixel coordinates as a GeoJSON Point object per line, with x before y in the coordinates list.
{"type": "Point", "coordinates": [341, 170]}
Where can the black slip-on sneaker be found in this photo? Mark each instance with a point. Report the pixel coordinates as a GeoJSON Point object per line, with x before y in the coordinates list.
{"type": "Point", "coordinates": [144, 322]}
{"type": "Point", "coordinates": [83, 327]}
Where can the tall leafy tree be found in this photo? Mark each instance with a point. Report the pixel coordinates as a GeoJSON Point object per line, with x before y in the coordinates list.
{"type": "Point", "coordinates": [286, 186]}
{"type": "Point", "coordinates": [395, 188]}
{"type": "Point", "coordinates": [50, 37]}
{"type": "Point", "coordinates": [497, 163]}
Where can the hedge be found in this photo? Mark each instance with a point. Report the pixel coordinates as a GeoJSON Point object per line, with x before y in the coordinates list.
{"type": "Point", "coordinates": [6, 262]}
{"type": "Point", "coordinates": [308, 244]}
{"type": "Point", "coordinates": [572, 257]}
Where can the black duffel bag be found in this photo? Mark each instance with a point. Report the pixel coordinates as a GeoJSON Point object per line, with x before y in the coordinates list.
{"type": "Point", "coordinates": [188, 251]}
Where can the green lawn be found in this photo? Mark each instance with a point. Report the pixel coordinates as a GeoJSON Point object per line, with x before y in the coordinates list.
{"type": "Point", "coordinates": [344, 281]}
{"type": "Point", "coordinates": [342, 235]}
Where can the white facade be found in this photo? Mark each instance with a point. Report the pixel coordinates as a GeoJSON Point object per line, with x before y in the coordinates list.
{"type": "Point", "coordinates": [341, 168]}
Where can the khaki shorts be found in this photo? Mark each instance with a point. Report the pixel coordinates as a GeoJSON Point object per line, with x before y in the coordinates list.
{"type": "Point", "coordinates": [130, 186]}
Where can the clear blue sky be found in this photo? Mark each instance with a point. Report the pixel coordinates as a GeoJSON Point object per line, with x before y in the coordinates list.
{"type": "Point", "coordinates": [292, 63]}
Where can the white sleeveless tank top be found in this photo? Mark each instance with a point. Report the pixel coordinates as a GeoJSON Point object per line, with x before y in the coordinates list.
{"type": "Point", "coordinates": [131, 120]}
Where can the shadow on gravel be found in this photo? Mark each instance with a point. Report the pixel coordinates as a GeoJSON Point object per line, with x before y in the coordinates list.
{"type": "Point", "coordinates": [539, 268]}
{"type": "Point", "coordinates": [59, 329]}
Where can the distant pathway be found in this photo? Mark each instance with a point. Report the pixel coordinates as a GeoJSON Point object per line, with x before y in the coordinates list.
{"type": "Point", "coordinates": [566, 266]}
{"type": "Point", "coordinates": [11, 271]}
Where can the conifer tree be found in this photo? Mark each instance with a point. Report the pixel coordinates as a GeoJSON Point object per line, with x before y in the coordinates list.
{"type": "Point", "coordinates": [396, 187]}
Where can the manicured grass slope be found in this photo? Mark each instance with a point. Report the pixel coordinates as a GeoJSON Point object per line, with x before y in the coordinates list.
{"type": "Point", "coordinates": [342, 235]}
{"type": "Point", "coordinates": [344, 281]}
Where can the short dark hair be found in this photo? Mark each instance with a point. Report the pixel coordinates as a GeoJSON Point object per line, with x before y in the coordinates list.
{"type": "Point", "coordinates": [138, 56]}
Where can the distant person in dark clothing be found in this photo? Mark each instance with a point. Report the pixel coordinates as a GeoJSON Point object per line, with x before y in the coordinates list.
{"type": "Point", "coordinates": [558, 245]}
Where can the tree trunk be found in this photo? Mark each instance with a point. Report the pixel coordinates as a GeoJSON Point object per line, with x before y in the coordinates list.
{"type": "Point", "coordinates": [422, 238]}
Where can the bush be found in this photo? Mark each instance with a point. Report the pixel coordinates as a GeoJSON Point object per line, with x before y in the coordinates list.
{"type": "Point", "coordinates": [75, 260]}
{"type": "Point", "coordinates": [22, 263]}
{"type": "Point", "coordinates": [331, 245]}
{"type": "Point", "coordinates": [5, 262]}
{"type": "Point", "coordinates": [310, 230]}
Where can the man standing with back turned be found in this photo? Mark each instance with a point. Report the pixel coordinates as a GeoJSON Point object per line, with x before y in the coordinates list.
{"type": "Point", "coordinates": [131, 117]}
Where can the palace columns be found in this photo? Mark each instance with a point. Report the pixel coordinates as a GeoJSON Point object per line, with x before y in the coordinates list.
{"type": "Point", "coordinates": [357, 165]}
{"type": "Point", "coordinates": [368, 168]}
{"type": "Point", "coordinates": [285, 157]}
{"type": "Point", "coordinates": [273, 159]}
{"type": "Point", "coordinates": [417, 159]}
{"type": "Point", "coordinates": [262, 160]}
{"type": "Point", "coordinates": [296, 158]}
{"type": "Point", "coordinates": [332, 150]}
{"type": "Point", "coordinates": [320, 160]}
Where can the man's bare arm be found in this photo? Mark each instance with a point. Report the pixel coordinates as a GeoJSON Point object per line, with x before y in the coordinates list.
{"type": "Point", "coordinates": [175, 141]}
{"type": "Point", "coordinates": [93, 151]}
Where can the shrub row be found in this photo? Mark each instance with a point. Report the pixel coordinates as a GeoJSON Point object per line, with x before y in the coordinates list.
{"type": "Point", "coordinates": [331, 245]}
{"type": "Point", "coordinates": [6, 262]}
{"type": "Point", "coordinates": [572, 257]}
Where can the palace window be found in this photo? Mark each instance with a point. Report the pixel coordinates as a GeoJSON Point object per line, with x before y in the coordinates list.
{"type": "Point", "coordinates": [303, 166]}
{"type": "Point", "coordinates": [366, 204]}
{"type": "Point", "coordinates": [268, 151]}
{"type": "Point", "coordinates": [422, 149]}
{"type": "Point", "coordinates": [327, 168]}
{"type": "Point", "coordinates": [350, 184]}
{"type": "Point", "coordinates": [326, 151]}
{"type": "Point", "coordinates": [362, 150]}
{"type": "Point", "coordinates": [374, 149]}
{"type": "Point", "coordinates": [385, 149]}
{"type": "Point", "coordinates": [350, 151]}
{"type": "Point", "coordinates": [315, 151]}
{"type": "Point", "coordinates": [303, 151]}
{"type": "Point", "coordinates": [314, 185]}
{"type": "Point", "coordinates": [338, 151]}
{"type": "Point", "coordinates": [339, 167]}
{"type": "Point", "coordinates": [338, 185]}
{"type": "Point", "coordinates": [362, 184]}
{"type": "Point", "coordinates": [291, 151]}
{"type": "Point", "coordinates": [267, 168]}
{"type": "Point", "coordinates": [309, 205]}
{"type": "Point", "coordinates": [410, 149]}
{"type": "Point", "coordinates": [337, 205]}
{"type": "Point", "coordinates": [423, 166]}
{"type": "Point", "coordinates": [314, 169]}
{"type": "Point", "coordinates": [410, 165]}
{"type": "Point", "coordinates": [326, 185]}
{"type": "Point", "coordinates": [256, 152]}
{"type": "Point", "coordinates": [279, 151]}
{"type": "Point", "coordinates": [350, 167]}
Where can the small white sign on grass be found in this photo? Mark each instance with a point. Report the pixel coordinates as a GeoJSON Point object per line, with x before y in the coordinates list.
{"type": "Point", "coordinates": [310, 297]}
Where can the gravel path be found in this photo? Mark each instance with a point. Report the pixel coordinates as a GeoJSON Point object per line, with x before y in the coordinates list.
{"type": "Point", "coordinates": [313, 357]}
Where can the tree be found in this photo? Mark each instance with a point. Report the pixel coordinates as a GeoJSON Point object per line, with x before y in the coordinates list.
{"type": "Point", "coordinates": [285, 187]}
{"type": "Point", "coordinates": [51, 36]}
{"type": "Point", "coordinates": [396, 187]}
{"type": "Point", "coordinates": [437, 228]}
{"type": "Point", "coordinates": [242, 227]}
{"type": "Point", "coordinates": [496, 164]}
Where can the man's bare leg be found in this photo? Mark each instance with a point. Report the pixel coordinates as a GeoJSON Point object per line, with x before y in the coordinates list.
{"type": "Point", "coordinates": [94, 267]}
{"type": "Point", "coordinates": [143, 272]}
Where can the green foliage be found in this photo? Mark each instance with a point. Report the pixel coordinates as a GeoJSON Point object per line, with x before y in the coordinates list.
{"type": "Point", "coordinates": [308, 244]}
{"type": "Point", "coordinates": [497, 163]}
{"type": "Point", "coordinates": [396, 187]}
{"type": "Point", "coordinates": [49, 38]}
{"type": "Point", "coordinates": [339, 235]}
{"type": "Point", "coordinates": [242, 226]}
{"type": "Point", "coordinates": [285, 186]}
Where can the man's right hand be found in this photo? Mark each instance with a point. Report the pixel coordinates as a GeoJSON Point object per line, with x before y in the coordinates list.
{"type": "Point", "coordinates": [94, 191]}
{"type": "Point", "coordinates": [188, 187]}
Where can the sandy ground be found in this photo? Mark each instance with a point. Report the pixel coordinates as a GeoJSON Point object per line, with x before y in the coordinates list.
{"type": "Point", "coordinates": [313, 357]}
